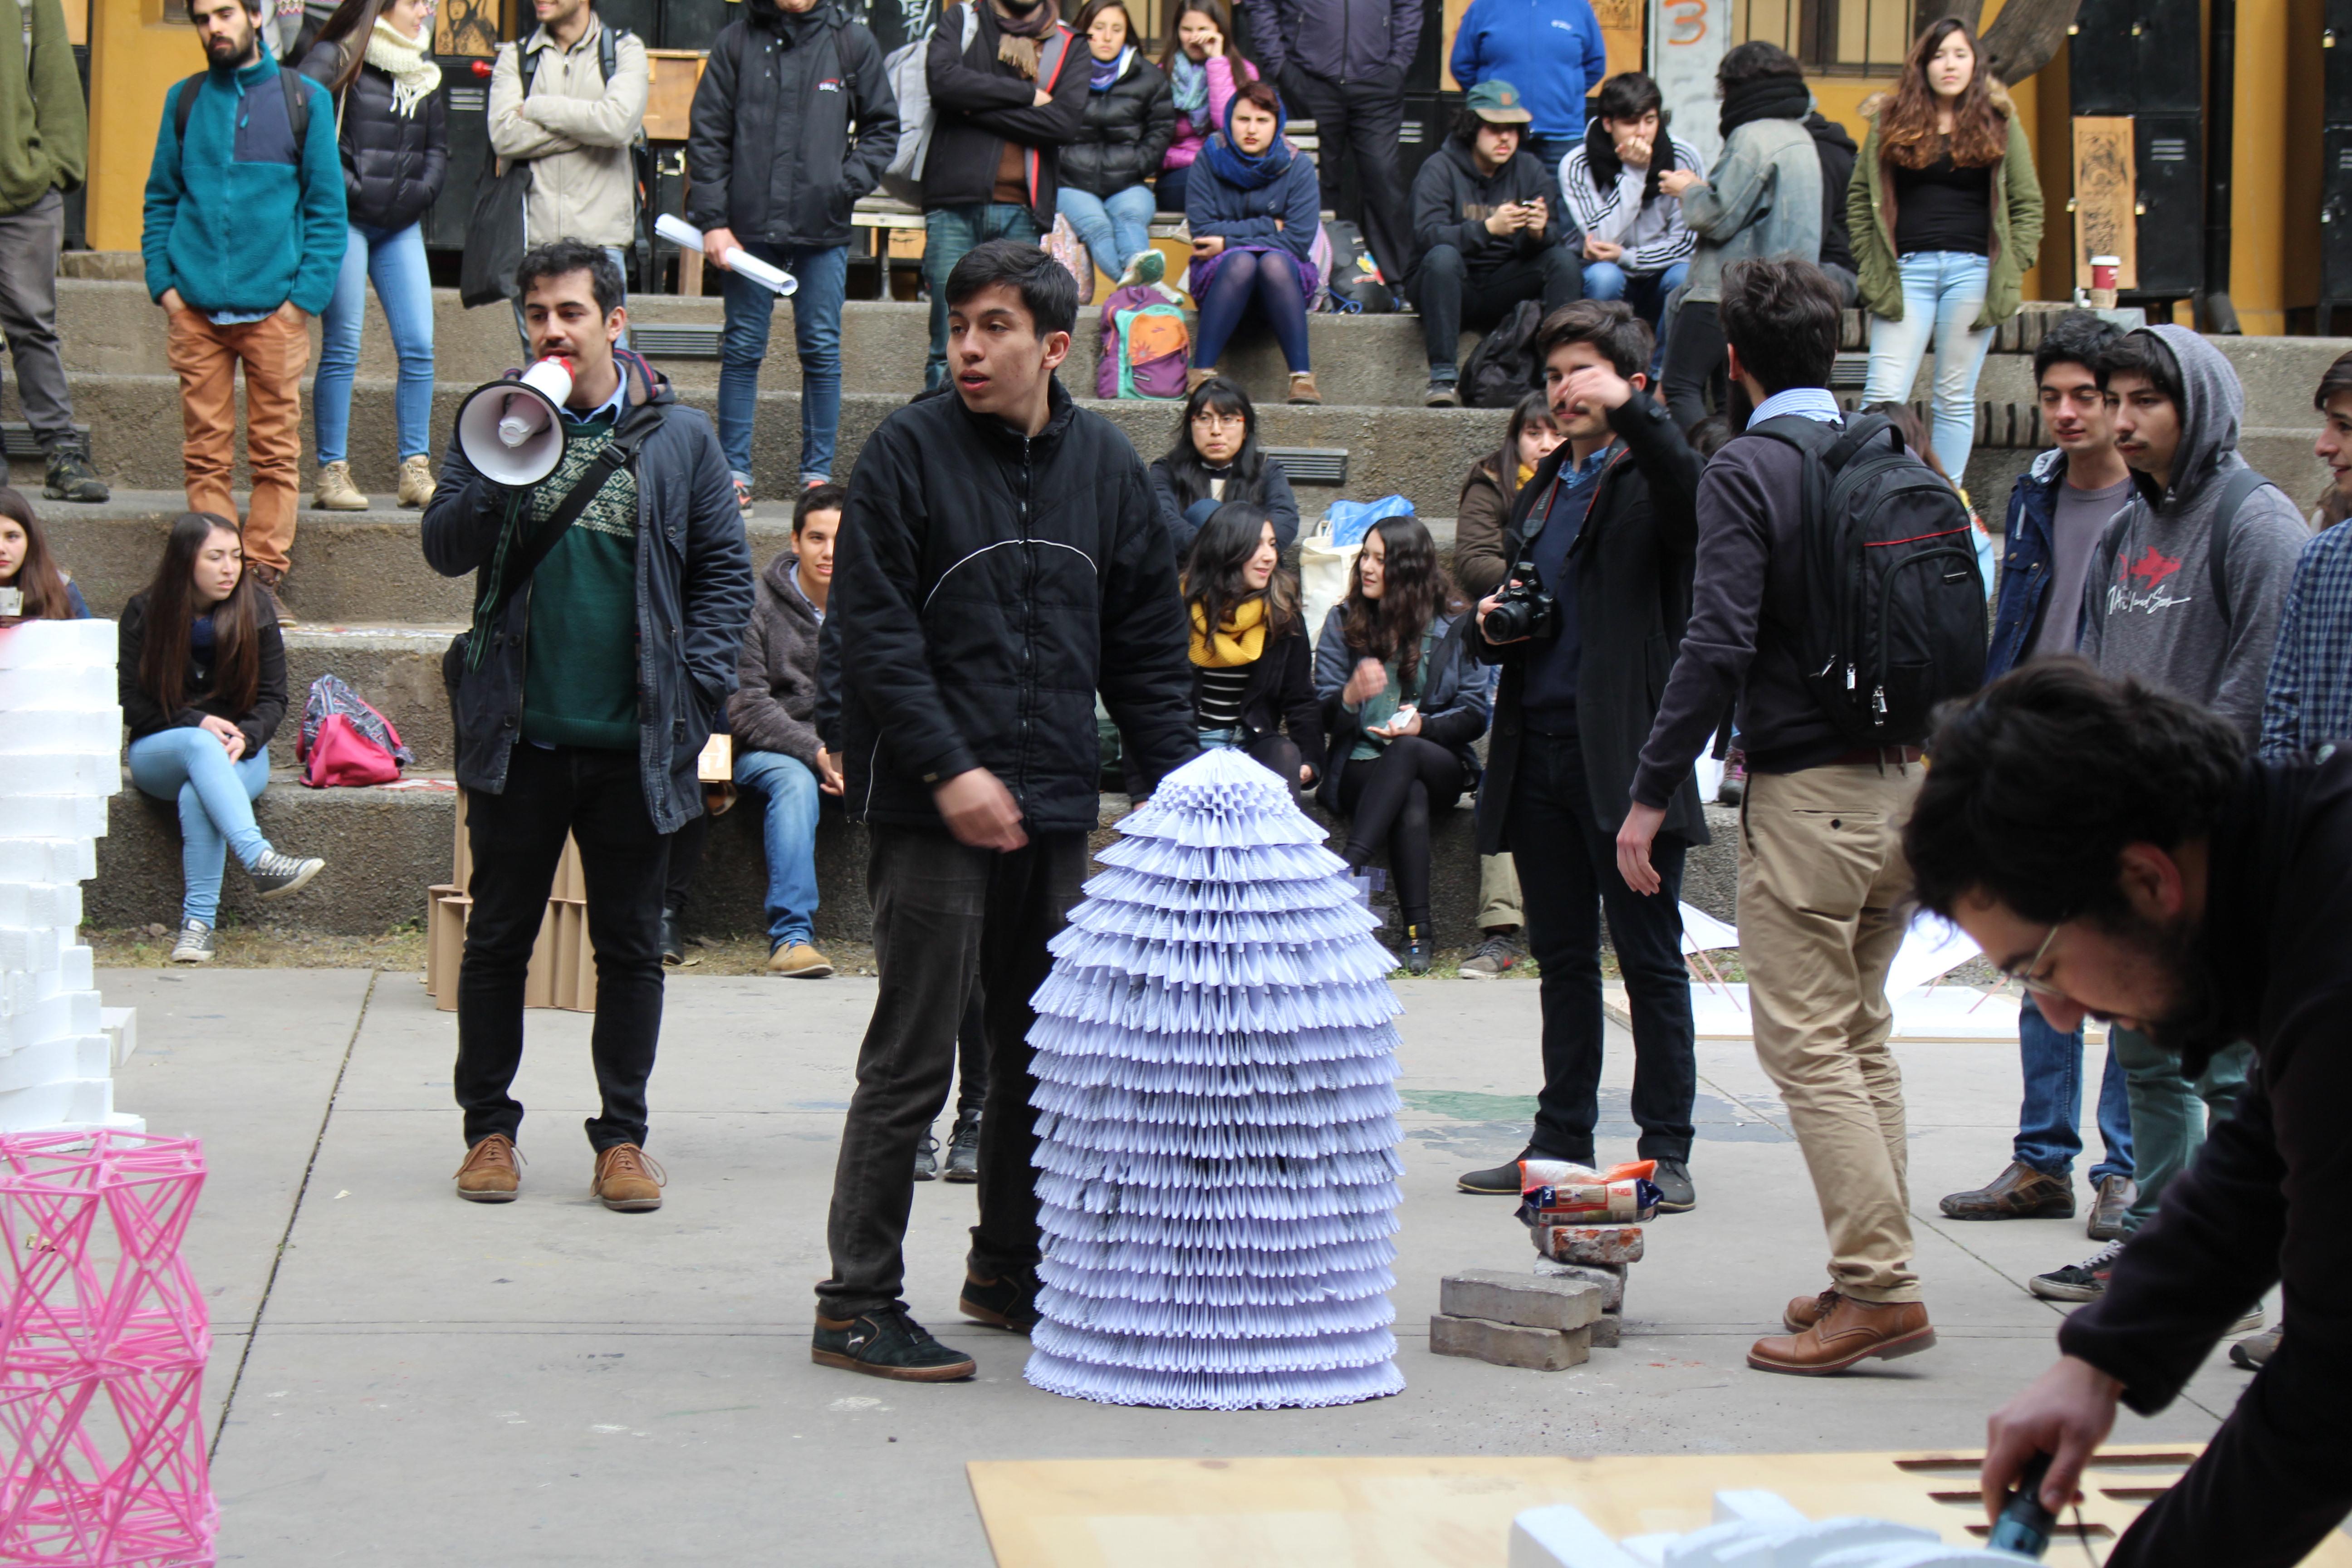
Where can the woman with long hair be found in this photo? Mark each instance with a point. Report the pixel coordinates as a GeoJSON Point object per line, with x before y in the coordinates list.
{"type": "Point", "coordinates": [1404, 699]}
{"type": "Point", "coordinates": [1945, 213]}
{"type": "Point", "coordinates": [44, 591]}
{"type": "Point", "coordinates": [1129, 120]}
{"type": "Point", "coordinates": [1249, 674]}
{"type": "Point", "coordinates": [1215, 459]}
{"type": "Point", "coordinates": [202, 674]}
{"type": "Point", "coordinates": [1491, 487]}
{"type": "Point", "coordinates": [1204, 65]}
{"type": "Point", "coordinates": [393, 128]}
{"type": "Point", "coordinates": [1254, 208]}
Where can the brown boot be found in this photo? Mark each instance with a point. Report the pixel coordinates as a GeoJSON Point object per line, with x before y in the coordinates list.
{"type": "Point", "coordinates": [1853, 1330]}
{"type": "Point", "coordinates": [626, 1180]}
{"type": "Point", "coordinates": [1302, 388]}
{"type": "Point", "coordinates": [272, 581]}
{"type": "Point", "coordinates": [2111, 1199]}
{"type": "Point", "coordinates": [1803, 1311]}
{"type": "Point", "coordinates": [2019, 1193]}
{"type": "Point", "coordinates": [1199, 376]}
{"type": "Point", "coordinates": [489, 1174]}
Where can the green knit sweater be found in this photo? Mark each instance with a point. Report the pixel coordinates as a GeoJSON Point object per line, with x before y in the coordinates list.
{"type": "Point", "coordinates": [44, 126]}
{"type": "Point", "coordinates": [580, 678]}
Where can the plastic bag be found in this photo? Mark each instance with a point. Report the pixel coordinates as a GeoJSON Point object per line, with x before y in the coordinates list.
{"type": "Point", "coordinates": [1558, 1192]}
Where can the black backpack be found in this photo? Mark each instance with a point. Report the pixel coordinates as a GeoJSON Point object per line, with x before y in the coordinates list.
{"type": "Point", "coordinates": [1503, 368]}
{"type": "Point", "coordinates": [290, 82]}
{"type": "Point", "coordinates": [1895, 608]}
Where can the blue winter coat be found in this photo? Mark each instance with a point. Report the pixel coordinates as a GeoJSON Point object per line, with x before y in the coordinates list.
{"type": "Point", "coordinates": [1246, 217]}
{"type": "Point", "coordinates": [1551, 50]}
{"type": "Point", "coordinates": [2024, 563]}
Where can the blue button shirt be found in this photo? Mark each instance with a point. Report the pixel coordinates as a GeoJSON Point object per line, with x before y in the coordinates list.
{"type": "Point", "coordinates": [1817, 403]}
{"type": "Point", "coordinates": [1547, 697]}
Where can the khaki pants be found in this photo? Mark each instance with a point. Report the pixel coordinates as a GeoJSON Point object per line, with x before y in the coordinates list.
{"type": "Point", "coordinates": [1821, 874]}
{"type": "Point", "coordinates": [274, 353]}
{"type": "Point", "coordinates": [1498, 894]}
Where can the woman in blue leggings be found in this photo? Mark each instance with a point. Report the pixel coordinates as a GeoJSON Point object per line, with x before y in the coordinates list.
{"type": "Point", "coordinates": [1254, 207]}
{"type": "Point", "coordinates": [202, 672]}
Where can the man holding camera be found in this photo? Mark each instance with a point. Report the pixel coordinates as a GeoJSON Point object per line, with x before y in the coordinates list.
{"type": "Point", "coordinates": [1602, 540]}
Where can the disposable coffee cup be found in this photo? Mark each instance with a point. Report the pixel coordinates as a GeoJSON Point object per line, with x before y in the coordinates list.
{"type": "Point", "coordinates": [2104, 271]}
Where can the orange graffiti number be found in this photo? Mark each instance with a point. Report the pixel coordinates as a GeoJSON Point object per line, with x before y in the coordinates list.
{"type": "Point", "coordinates": [1685, 21]}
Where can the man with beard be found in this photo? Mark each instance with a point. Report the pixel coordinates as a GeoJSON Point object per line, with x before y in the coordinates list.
{"type": "Point", "coordinates": [2184, 590]}
{"type": "Point", "coordinates": [2111, 849]}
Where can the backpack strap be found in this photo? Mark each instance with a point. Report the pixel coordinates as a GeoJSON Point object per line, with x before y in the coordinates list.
{"type": "Point", "coordinates": [2234, 496]}
{"type": "Point", "coordinates": [290, 82]}
{"type": "Point", "coordinates": [608, 50]}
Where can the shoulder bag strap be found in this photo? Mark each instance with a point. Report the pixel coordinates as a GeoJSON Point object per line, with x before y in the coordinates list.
{"type": "Point", "coordinates": [2234, 496]}
{"type": "Point", "coordinates": [619, 453]}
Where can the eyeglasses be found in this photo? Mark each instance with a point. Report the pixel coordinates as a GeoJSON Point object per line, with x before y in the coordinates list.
{"type": "Point", "coordinates": [1216, 421]}
{"type": "Point", "coordinates": [2023, 973]}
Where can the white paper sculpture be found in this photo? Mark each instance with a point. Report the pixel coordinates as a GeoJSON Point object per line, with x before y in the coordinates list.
{"type": "Point", "coordinates": [1216, 1115]}
{"type": "Point", "coordinates": [60, 742]}
{"type": "Point", "coordinates": [1751, 1530]}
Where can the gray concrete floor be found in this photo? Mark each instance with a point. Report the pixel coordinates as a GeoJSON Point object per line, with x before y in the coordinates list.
{"type": "Point", "coordinates": [403, 1378]}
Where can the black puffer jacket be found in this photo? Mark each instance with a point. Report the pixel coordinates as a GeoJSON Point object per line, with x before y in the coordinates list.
{"type": "Point", "coordinates": [1128, 128]}
{"type": "Point", "coordinates": [979, 103]}
{"type": "Point", "coordinates": [792, 123]}
{"type": "Point", "coordinates": [989, 583]}
{"type": "Point", "coordinates": [198, 700]}
{"type": "Point", "coordinates": [393, 165]}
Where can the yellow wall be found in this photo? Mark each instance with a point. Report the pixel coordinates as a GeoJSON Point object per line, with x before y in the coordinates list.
{"type": "Point", "coordinates": [135, 56]}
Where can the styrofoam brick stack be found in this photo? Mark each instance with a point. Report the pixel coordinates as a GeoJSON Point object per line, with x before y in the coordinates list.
{"type": "Point", "coordinates": [60, 733]}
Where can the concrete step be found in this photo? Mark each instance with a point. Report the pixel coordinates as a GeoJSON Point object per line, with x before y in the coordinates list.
{"type": "Point", "coordinates": [384, 847]}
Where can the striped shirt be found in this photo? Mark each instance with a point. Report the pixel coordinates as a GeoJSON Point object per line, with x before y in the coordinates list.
{"type": "Point", "coordinates": [1652, 233]}
{"type": "Point", "coordinates": [1220, 697]}
{"type": "Point", "coordinates": [2309, 701]}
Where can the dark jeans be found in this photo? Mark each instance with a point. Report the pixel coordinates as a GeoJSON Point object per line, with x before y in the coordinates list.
{"type": "Point", "coordinates": [1549, 150]}
{"type": "Point", "coordinates": [1694, 363]}
{"type": "Point", "coordinates": [1452, 294]}
{"type": "Point", "coordinates": [1266, 279]}
{"type": "Point", "coordinates": [2049, 1119]}
{"type": "Point", "coordinates": [1568, 877]}
{"type": "Point", "coordinates": [1367, 119]}
{"type": "Point", "coordinates": [517, 838]}
{"type": "Point", "coordinates": [685, 863]}
{"type": "Point", "coordinates": [1389, 800]}
{"type": "Point", "coordinates": [945, 915]}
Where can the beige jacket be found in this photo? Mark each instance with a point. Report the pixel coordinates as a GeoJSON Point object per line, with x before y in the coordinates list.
{"type": "Point", "coordinates": [576, 128]}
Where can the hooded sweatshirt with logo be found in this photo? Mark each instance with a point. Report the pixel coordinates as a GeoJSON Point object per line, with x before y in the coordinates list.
{"type": "Point", "coordinates": [2154, 615]}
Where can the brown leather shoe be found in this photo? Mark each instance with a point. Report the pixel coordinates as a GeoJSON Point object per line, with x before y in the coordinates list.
{"type": "Point", "coordinates": [1302, 388]}
{"type": "Point", "coordinates": [2019, 1193]}
{"type": "Point", "coordinates": [2110, 1201]}
{"type": "Point", "coordinates": [626, 1179]}
{"type": "Point", "coordinates": [1853, 1330]}
{"type": "Point", "coordinates": [489, 1174]}
{"type": "Point", "coordinates": [273, 582]}
{"type": "Point", "coordinates": [1803, 1311]}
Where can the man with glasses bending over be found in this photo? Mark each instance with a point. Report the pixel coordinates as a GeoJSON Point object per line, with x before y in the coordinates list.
{"type": "Point", "coordinates": [2111, 845]}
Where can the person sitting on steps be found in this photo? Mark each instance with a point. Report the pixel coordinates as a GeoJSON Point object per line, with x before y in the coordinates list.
{"type": "Point", "coordinates": [1251, 204]}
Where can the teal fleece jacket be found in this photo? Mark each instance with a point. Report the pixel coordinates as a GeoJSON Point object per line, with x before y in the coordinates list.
{"type": "Point", "coordinates": [239, 218]}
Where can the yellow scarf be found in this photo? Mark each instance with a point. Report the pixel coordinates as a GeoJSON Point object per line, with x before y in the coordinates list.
{"type": "Point", "coordinates": [1526, 473]}
{"type": "Point", "coordinates": [1239, 641]}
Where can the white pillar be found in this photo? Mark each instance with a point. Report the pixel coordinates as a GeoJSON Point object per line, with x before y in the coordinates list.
{"type": "Point", "coordinates": [1688, 40]}
{"type": "Point", "coordinates": [61, 758]}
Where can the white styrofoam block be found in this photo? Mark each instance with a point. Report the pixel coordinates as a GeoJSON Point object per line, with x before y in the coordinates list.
{"type": "Point", "coordinates": [24, 949]}
{"type": "Point", "coordinates": [92, 1101]}
{"type": "Point", "coordinates": [44, 1105]}
{"type": "Point", "coordinates": [77, 969]}
{"type": "Point", "coordinates": [50, 645]}
{"type": "Point", "coordinates": [89, 686]}
{"type": "Point", "coordinates": [93, 1055]}
{"type": "Point", "coordinates": [1755, 1508]}
{"type": "Point", "coordinates": [59, 772]}
{"type": "Point", "coordinates": [122, 1027]}
{"type": "Point", "coordinates": [1562, 1537]}
{"type": "Point", "coordinates": [49, 1062]}
{"type": "Point", "coordinates": [55, 904]}
{"type": "Point", "coordinates": [1913, 1554]}
{"type": "Point", "coordinates": [52, 726]}
{"type": "Point", "coordinates": [43, 859]}
{"type": "Point", "coordinates": [56, 816]}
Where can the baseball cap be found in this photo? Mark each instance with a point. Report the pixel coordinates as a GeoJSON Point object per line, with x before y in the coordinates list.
{"type": "Point", "coordinates": [1497, 103]}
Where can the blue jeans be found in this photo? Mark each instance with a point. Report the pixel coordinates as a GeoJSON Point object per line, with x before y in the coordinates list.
{"type": "Point", "coordinates": [947, 234]}
{"type": "Point", "coordinates": [1943, 292]}
{"type": "Point", "coordinates": [1113, 228]}
{"type": "Point", "coordinates": [2170, 1112]}
{"type": "Point", "coordinates": [1645, 291]}
{"type": "Point", "coordinates": [2048, 1122]}
{"type": "Point", "coordinates": [620, 259]}
{"type": "Point", "coordinates": [394, 261]}
{"type": "Point", "coordinates": [789, 825]}
{"type": "Point", "coordinates": [215, 798]}
{"type": "Point", "coordinates": [816, 335]}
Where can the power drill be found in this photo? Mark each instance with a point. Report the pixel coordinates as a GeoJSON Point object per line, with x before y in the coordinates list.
{"type": "Point", "coordinates": [2025, 1525]}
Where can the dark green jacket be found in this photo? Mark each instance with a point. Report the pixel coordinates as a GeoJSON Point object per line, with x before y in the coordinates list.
{"type": "Point", "coordinates": [2016, 221]}
{"type": "Point", "coordinates": [44, 125]}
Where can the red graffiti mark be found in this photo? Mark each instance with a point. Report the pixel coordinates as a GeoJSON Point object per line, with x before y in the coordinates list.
{"type": "Point", "coordinates": [2151, 569]}
{"type": "Point", "coordinates": [1686, 14]}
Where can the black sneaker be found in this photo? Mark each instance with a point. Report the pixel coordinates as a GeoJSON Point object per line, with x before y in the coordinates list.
{"type": "Point", "coordinates": [1007, 1303]}
{"type": "Point", "coordinates": [887, 1344]}
{"type": "Point", "coordinates": [71, 476]}
{"type": "Point", "coordinates": [1493, 960]}
{"type": "Point", "coordinates": [1442, 394]}
{"type": "Point", "coordinates": [2083, 1281]}
{"type": "Point", "coordinates": [1496, 1180]}
{"type": "Point", "coordinates": [1676, 1193]}
{"type": "Point", "coordinates": [927, 1159]}
{"type": "Point", "coordinates": [673, 943]}
{"type": "Point", "coordinates": [963, 1148]}
{"type": "Point", "coordinates": [1418, 950]}
{"type": "Point", "coordinates": [196, 944]}
{"type": "Point", "coordinates": [277, 875]}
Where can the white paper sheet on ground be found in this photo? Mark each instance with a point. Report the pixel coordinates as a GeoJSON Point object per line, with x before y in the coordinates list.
{"type": "Point", "coordinates": [1949, 1014]}
{"type": "Point", "coordinates": [1702, 932]}
{"type": "Point", "coordinates": [677, 231]}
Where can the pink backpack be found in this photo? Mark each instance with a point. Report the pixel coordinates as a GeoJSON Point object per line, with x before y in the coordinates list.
{"type": "Point", "coordinates": [344, 740]}
{"type": "Point", "coordinates": [1146, 346]}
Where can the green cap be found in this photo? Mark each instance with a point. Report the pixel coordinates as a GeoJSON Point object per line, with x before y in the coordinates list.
{"type": "Point", "coordinates": [1497, 103]}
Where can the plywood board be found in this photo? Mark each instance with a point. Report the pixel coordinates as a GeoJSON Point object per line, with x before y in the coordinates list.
{"type": "Point", "coordinates": [1354, 1512]}
{"type": "Point", "coordinates": [2106, 183]}
{"type": "Point", "coordinates": [669, 95]}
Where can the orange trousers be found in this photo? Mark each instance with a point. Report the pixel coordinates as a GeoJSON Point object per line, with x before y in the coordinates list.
{"type": "Point", "coordinates": [274, 353]}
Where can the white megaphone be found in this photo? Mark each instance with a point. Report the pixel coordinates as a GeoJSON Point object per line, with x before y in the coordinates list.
{"type": "Point", "coordinates": [512, 431]}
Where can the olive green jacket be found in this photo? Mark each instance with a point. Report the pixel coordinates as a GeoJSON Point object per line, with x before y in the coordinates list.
{"type": "Point", "coordinates": [2016, 221]}
{"type": "Point", "coordinates": [44, 127]}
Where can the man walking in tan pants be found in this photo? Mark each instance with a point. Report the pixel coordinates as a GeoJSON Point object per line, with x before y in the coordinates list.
{"type": "Point", "coordinates": [1821, 857]}
{"type": "Point", "coordinates": [244, 236]}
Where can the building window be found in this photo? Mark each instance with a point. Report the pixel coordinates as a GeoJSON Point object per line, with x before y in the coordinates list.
{"type": "Point", "coordinates": [1836, 38]}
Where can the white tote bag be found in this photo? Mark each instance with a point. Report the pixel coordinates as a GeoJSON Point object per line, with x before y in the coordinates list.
{"type": "Point", "coordinates": [1323, 570]}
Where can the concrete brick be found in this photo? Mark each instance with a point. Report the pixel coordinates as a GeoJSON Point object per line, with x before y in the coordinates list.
{"type": "Point", "coordinates": [1608, 1330]}
{"type": "Point", "coordinates": [1609, 1277]}
{"type": "Point", "coordinates": [1508, 1344]}
{"type": "Point", "coordinates": [1591, 1243]}
{"type": "Point", "coordinates": [1528, 1300]}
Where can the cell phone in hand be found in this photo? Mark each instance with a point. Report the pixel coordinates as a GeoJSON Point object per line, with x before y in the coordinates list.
{"type": "Point", "coordinates": [1398, 719]}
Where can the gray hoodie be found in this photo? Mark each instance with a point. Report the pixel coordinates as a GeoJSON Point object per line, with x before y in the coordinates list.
{"type": "Point", "coordinates": [2154, 615]}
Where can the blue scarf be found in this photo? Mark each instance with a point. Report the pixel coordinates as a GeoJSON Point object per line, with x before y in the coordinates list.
{"type": "Point", "coordinates": [1190, 78]}
{"type": "Point", "coordinates": [1107, 71]}
{"type": "Point", "coordinates": [1243, 173]}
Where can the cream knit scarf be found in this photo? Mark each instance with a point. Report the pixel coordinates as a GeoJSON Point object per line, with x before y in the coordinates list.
{"type": "Point", "coordinates": [403, 59]}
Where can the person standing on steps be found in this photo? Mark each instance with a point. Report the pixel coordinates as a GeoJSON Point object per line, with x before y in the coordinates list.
{"type": "Point", "coordinates": [1944, 215]}
{"type": "Point", "coordinates": [793, 123]}
{"type": "Point", "coordinates": [2057, 510]}
{"type": "Point", "coordinates": [44, 151]}
{"type": "Point", "coordinates": [609, 606]}
{"type": "Point", "coordinates": [1001, 562]}
{"type": "Point", "coordinates": [1609, 522]}
{"type": "Point", "coordinates": [1342, 64]}
{"type": "Point", "coordinates": [394, 143]}
{"type": "Point", "coordinates": [244, 238]}
{"type": "Point", "coordinates": [1553, 52]}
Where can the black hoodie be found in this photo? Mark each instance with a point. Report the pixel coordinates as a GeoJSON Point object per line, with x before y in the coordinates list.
{"type": "Point", "coordinates": [1837, 154]}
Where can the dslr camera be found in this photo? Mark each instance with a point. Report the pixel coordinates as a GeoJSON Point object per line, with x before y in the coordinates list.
{"type": "Point", "coordinates": [1525, 608]}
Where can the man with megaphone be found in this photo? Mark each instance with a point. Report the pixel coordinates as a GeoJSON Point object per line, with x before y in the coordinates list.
{"type": "Point", "coordinates": [612, 585]}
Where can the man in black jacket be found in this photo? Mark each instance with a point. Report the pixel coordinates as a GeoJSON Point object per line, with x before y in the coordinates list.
{"type": "Point", "coordinates": [1835, 148]}
{"type": "Point", "coordinates": [1009, 84]}
{"type": "Point", "coordinates": [599, 655]}
{"type": "Point", "coordinates": [2110, 847]}
{"type": "Point", "coordinates": [1609, 524]}
{"type": "Point", "coordinates": [1341, 63]}
{"type": "Point", "coordinates": [793, 122]}
{"type": "Point", "coordinates": [1000, 562]}
{"type": "Point", "coordinates": [1483, 219]}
